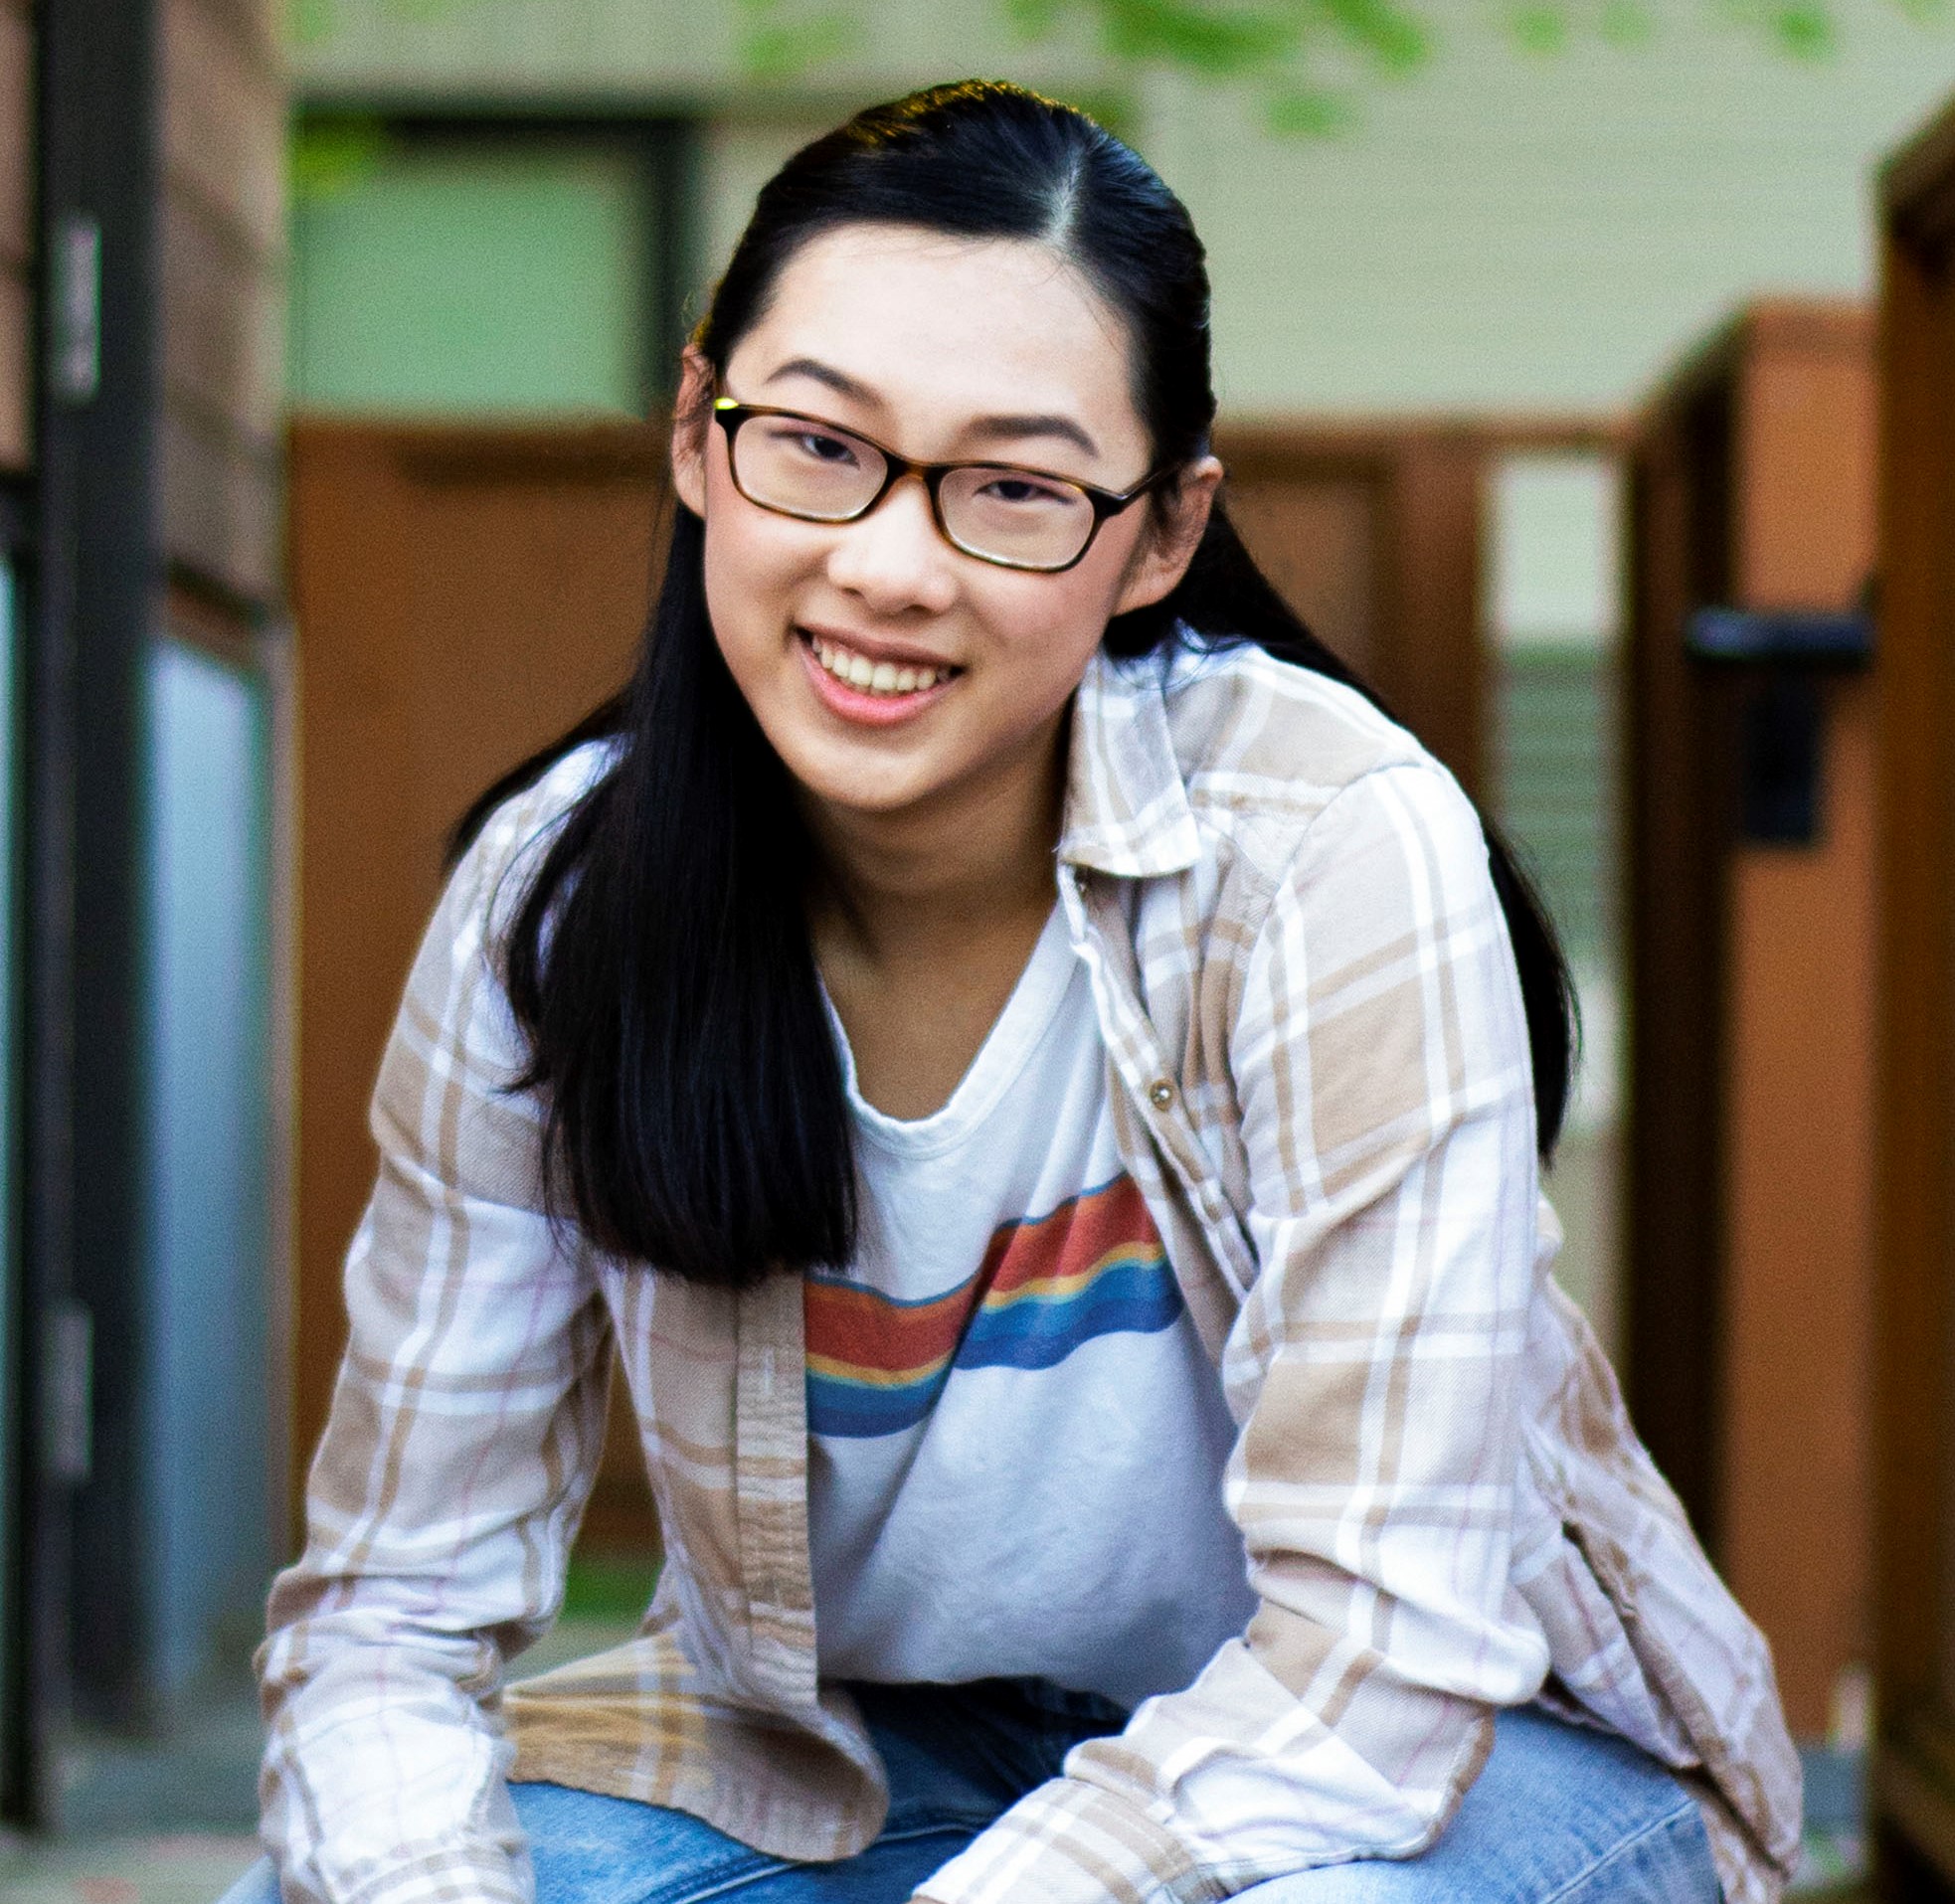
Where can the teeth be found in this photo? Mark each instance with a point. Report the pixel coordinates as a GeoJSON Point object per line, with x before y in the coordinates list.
{"type": "Point", "coordinates": [875, 677]}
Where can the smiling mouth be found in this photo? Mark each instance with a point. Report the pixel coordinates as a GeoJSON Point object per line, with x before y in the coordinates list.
{"type": "Point", "coordinates": [879, 679]}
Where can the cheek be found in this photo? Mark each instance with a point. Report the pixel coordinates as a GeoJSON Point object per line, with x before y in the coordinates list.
{"type": "Point", "coordinates": [1053, 623]}
{"type": "Point", "coordinates": [749, 563]}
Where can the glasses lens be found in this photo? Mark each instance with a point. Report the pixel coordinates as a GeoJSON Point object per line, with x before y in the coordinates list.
{"type": "Point", "coordinates": [1016, 516]}
{"type": "Point", "coordinates": [805, 468]}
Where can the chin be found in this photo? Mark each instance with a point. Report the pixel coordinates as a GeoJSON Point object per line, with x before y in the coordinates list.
{"type": "Point", "coordinates": [855, 792]}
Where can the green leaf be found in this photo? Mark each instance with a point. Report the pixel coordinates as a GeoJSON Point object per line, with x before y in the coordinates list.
{"type": "Point", "coordinates": [795, 47]}
{"type": "Point", "coordinates": [1392, 35]}
{"type": "Point", "coordinates": [1034, 19]}
{"type": "Point", "coordinates": [1539, 28]}
{"type": "Point", "coordinates": [1628, 24]}
{"type": "Point", "coordinates": [1307, 112]}
{"type": "Point", "coordinates": [331, 156]}
{"type": "Point", "coordinates": [1805, 29]}
{"type": "Point", "coordinates": [307, 22]}
{"type": "Point", "coordinates": [1217, 42]}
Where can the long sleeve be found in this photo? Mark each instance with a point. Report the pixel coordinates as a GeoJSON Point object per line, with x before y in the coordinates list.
{"type": "Point", "coordinates": [1380, 1057]}
{"type": "Point", "coordinates": [463, 1435]}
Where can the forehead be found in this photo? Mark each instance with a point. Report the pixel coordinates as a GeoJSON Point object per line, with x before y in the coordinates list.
{"type": "Point", "coordinates": [943, 330]}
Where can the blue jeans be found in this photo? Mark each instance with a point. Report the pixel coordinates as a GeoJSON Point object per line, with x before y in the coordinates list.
{"type": "Point", "coordinates": [1559, 1815]}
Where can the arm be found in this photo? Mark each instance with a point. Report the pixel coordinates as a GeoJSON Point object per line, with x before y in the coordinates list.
{"type": "Point", "coordinates": [1381, 1061]}
{"type": "Point", "coordinates": [463, 1435]}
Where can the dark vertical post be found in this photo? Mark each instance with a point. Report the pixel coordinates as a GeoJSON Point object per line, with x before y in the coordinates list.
{"type": "Point", "coordinates": [97, 599]}
{"type": "Point", "coordinates": [673, 160]}
{"type": "Point", "coordinates": [1679, 834]}
{"type": "Point", "coordinates": [1913, 1770]}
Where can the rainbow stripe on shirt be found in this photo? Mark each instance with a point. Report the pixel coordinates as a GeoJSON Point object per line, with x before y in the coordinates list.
{"type": "Point", "coordinates": [1094, 1267]}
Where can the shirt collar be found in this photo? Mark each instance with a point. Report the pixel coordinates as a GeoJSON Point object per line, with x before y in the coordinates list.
{"type": "Point", "coordinates": [1127, 805]}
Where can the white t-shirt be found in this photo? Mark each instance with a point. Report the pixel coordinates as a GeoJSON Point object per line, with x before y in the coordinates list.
{"type": "Point", "coordinates": [1017, 1441]}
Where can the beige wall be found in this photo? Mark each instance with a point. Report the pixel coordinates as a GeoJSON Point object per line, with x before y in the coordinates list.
{"type": "Point", "coordinates": [1505, 229]}
{"type": "Point", "coordinates": [1501, 231]}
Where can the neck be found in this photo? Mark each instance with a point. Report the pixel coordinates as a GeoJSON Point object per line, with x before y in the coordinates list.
{"type": "Point", "coordinates": [977, 858]}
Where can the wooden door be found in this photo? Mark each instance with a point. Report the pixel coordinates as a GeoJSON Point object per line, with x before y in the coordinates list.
{"type": "Point", "coordinates": [1751, 993]}
{"type": "Point", "coordinates": [1914, 1771]}
{"type": "Point", "coordinates": [461, 597]}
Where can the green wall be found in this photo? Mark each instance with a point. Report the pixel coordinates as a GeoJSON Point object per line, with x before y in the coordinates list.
{"type": "Point", "coordinates": [466, 281]}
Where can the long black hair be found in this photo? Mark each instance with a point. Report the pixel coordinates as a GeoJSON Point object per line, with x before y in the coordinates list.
{"type": "Point", "coordinates": [658, 961]}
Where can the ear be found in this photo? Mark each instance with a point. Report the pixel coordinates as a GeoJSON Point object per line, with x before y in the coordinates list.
{"type": "Point", "coordinates": [692, 412]}
{"type": "Point", "coordinates": [1175, 526]}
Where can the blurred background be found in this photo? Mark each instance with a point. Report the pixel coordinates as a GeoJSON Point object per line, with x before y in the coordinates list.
{"type": "Point", "coordinates": [1587, 375]}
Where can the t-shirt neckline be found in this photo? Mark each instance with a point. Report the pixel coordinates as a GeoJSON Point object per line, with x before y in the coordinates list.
{"type": "Point", "coordinates": [1001, 1062]}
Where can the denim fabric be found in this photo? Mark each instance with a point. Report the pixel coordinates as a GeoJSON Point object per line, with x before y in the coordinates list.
{"type": "Point", "coordinates": [1562, 1814]}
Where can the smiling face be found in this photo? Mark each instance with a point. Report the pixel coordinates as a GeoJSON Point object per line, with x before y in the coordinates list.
{"type": "Point", "coordinates": [893, 673]}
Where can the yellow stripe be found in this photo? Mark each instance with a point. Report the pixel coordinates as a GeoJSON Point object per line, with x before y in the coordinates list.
{"type": "Point", "coordinates": [865, 1377]}
{"type": "Point", "coordinates": [1054, 1289]}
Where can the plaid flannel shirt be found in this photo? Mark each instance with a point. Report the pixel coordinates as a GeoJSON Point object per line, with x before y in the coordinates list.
{"type": "Point", "coordinates": [1319, 1077]}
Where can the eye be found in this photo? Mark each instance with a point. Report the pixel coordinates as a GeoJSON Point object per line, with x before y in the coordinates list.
{"type": "Point", "coordinates": [1015, 489]}
{"type": "Point", "coordinates": [818, 446]}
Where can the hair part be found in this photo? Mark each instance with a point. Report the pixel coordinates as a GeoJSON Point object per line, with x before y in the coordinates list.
{"type": "Point", "coordinates": [659, 963]}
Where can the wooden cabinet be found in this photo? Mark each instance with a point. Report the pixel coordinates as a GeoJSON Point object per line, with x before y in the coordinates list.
{"type": "Point", "coordinates": [1915, 1370]}
{"type": "Point", "coordinates": [1750, 949]}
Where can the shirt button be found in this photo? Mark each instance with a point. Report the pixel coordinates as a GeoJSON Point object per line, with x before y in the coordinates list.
{"type": "Point", "coordinates": [1160, 1094]}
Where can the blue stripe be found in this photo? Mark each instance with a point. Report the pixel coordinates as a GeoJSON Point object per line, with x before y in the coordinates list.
{"type": "Point", "coordinates": [1128, 1299]}
{"type": "Point", "coordinates": [1132, 1299]}
{"type": "Point", "coordinates": [857, 1410]}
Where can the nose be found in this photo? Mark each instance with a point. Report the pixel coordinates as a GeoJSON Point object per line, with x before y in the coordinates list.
{"type": "Point", "coordinates": [893, 558]}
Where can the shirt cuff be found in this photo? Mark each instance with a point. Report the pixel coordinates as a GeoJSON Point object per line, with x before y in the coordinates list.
{"type": "Point", "coordinates": [1070, 1843]}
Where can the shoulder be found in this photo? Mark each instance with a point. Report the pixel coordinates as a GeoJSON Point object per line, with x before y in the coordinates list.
{"type": "Point", "coordinates": [455, 1023]}
{"type": "Point", "coordinates": [1280, 761]}
{"type": "Point", "coordinates": [492, 876]}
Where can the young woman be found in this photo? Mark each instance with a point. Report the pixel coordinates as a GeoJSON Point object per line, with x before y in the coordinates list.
{"type": "Point", "coordinates": [1041, 1080]}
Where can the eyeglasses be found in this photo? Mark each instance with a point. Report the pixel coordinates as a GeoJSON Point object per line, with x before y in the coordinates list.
{"type": "Point", "coordinates": [814, 472]}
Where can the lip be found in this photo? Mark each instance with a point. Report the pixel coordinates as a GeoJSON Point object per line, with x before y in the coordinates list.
{"type": "Point", "coordinates": [852, 703]}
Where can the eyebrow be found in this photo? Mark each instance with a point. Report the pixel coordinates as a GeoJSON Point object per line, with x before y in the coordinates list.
{"type": "Point", "coordinates": [985, 428]}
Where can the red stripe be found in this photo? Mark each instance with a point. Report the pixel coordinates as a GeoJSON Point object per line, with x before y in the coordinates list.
{"type": "Point", "coordinates": [856, 1328]}
{"type": "Point", "coordinates": [1071, 1240]}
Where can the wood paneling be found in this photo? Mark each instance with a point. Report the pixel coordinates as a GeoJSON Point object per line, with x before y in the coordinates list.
{"type": "Point", "coordinates": [1751, 993]}
{"type": "Point", "coordinates": [221, 347]}
{"type": "Point", "coordinates": [223, 260]}
{"type": "Point", "coordinates": [461, 596]}
{"type": "Point", "coordinates": [16, 242]}
{"type": "Point", "coordinates": [1915, 1105]}
{"type": "Point", "coordinates": [224, 115]}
